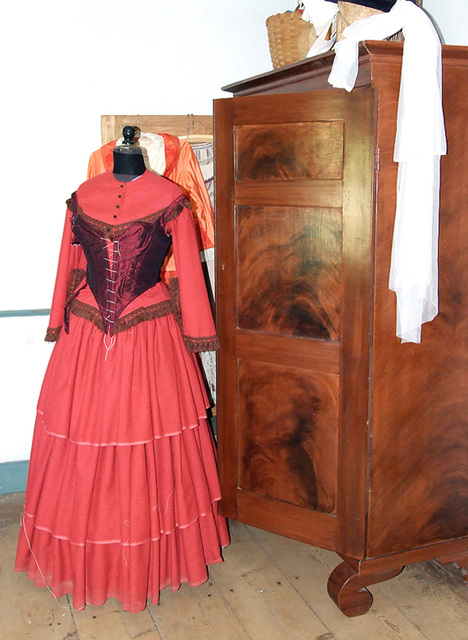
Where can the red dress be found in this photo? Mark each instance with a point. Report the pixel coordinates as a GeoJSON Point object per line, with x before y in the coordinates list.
{"type": "Point", "coordinates": [122, 490]}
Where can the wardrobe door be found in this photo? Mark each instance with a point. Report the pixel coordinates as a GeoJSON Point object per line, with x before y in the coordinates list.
{"type": "Point", "coordinates": [293, 236]}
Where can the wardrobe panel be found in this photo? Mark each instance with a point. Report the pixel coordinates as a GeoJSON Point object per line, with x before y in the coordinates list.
{"type": "Point", "coordinates": [292, 150]}
{"type": "Point", "coordinates": [302, 193]}
{"type": "Point", "coordinates": [292, 256]}
{"type": "Point", "coordinates": [288, 438]}
{"type": "Point", "coordinates": [318, 355]}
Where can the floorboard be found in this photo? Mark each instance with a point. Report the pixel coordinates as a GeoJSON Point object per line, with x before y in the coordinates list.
{"type": "Point", "coordinates": [269, 587]}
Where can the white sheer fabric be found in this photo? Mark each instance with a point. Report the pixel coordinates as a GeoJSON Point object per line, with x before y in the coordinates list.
{"type": "Point", "coordinates": [420, 141]}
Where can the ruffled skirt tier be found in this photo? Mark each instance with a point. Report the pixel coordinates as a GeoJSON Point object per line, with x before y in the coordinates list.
{"type": "Point", "coordinates": [123, 490]}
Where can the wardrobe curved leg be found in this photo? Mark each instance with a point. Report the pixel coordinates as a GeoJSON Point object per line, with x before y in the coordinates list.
{"type": "Point", "coordinates": [348, 588]}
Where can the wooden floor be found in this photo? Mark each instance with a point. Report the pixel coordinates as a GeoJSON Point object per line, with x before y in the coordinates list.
{"type": "Point", "coordinates": [269, 587]}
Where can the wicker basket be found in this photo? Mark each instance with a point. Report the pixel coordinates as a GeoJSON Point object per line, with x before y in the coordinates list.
{"type": "Point", "coordinates": [289, 37]}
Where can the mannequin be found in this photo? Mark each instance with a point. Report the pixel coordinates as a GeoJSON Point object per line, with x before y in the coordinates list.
{"type": "Point", "coordinates": [129, 162]}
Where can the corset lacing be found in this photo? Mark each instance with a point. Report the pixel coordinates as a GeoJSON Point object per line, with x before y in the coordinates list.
{"type": "Point", "coordinates": [112, 249]}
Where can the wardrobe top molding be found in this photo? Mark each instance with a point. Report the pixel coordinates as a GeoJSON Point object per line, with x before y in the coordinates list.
{"type": "Point", "coordinates": [299, 75]}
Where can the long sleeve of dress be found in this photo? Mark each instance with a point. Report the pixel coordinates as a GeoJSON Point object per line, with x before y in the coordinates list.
{"type": "Point", "coordinates": [70, 272]}
{"type": "Point", "coordinates": [194, 310]}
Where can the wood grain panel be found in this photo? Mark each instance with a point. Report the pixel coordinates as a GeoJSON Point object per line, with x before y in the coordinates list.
{"type": "Point", "coordinates": [306, 354]}
{"type": "Point", "coordinates": [287, 151]}
{"type": "Point", "coordinates": [303, 193]}
{"type": "Point", "coordinates": [288, 442]}
{"type": "Point", "coordinates": [298, 107]}
{"type": "Point", "coordinates": [293, 260]}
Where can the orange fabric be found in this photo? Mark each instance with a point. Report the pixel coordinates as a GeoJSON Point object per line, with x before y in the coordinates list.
{"type": "Point", "coordinates": [171, 151]}
{"type": "Point", "coordinates": [101, 160]}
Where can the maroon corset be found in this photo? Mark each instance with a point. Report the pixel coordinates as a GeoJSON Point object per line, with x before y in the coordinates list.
{"type": "Point", "coordinates": [123, 261]}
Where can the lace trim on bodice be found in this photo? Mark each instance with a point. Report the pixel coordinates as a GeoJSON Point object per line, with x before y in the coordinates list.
{"type": "Point", "coordinates": [112, 231]}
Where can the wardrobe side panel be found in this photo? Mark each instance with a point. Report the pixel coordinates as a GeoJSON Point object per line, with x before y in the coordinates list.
{"type": "Point", "coordinates": [419, 473]}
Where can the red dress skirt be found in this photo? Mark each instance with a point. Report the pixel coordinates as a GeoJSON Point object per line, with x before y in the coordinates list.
{"type": "Point", "coordinates": [122, 491]}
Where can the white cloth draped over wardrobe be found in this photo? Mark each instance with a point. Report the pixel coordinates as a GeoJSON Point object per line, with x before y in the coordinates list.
{"type": "Point", "coordinates": [420, 141]}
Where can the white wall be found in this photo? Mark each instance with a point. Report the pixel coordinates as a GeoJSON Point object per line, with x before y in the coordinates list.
{"type": "Point", "coordinates": [64, 63]}
{"type": "Point", "coordinates": [450, 16]}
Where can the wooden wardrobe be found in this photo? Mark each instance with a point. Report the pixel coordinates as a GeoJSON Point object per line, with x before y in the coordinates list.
{"type": "Point", "coordinates": [330, 430]}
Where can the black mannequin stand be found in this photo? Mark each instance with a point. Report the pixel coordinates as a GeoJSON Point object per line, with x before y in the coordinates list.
{"type": "Point", "coordinates": [129, 162]}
